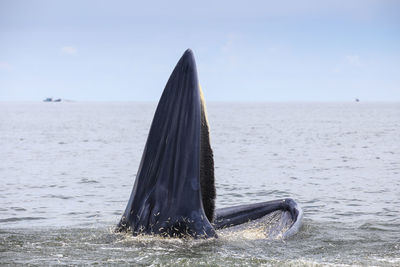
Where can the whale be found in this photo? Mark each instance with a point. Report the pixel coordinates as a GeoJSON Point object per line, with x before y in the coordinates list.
{"type": "Point", "coordinates": [174, 192]}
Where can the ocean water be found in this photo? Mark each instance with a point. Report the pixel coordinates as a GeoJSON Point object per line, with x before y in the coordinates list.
{"type": "Point", "coordinates": [67, 171]}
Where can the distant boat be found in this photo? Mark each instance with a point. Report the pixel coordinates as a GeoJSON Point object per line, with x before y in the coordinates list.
{"type": "Point", "coordinates": [357, 100]}
{"type": "Point", "coordinates": [49, 99]}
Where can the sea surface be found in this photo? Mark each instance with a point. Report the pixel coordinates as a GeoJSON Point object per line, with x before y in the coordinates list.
{"type": "Point", "coordinates": [67, 171]}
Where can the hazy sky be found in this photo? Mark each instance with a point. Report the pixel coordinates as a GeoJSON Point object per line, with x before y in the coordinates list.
{"type": "Point", "coordinates": [245, 50]}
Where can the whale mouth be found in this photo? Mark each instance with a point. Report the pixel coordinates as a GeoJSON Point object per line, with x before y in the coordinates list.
{"type": "Point", "coordinates": [174, 191]}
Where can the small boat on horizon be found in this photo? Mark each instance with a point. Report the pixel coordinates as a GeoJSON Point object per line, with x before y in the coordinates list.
{"type": "Point", "coordinates": [50, 99]}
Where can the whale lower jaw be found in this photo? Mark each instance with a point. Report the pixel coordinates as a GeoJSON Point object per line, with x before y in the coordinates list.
{"type": "Point", "coordinates": [288, 224]}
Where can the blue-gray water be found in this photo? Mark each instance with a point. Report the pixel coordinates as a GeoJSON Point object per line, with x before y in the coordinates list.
{"type": "Point", "coordinates": [67, 170]}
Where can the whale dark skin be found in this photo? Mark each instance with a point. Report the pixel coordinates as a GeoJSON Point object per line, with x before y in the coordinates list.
{"type": "Point", "coordinates": [174, 191]}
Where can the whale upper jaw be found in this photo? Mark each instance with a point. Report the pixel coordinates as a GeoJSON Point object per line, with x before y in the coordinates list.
{"type": "Point", "coordinates": [166, 198]}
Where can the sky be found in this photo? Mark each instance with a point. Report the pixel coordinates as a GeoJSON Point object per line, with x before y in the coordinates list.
{"type": "Point", "coordinates": [245, 50]}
